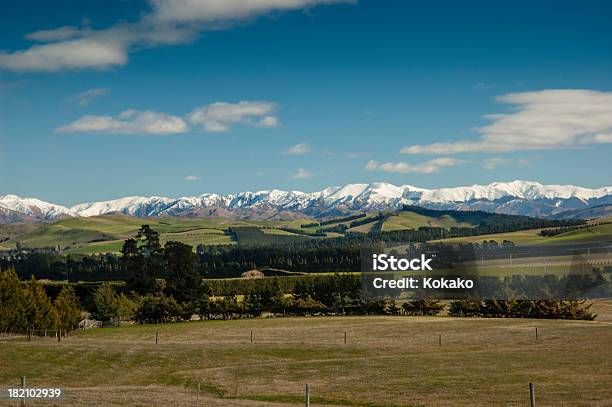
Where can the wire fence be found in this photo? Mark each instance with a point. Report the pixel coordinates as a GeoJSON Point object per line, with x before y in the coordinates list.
{"type": "Point", "coordinates": [293, 395]}
{"type": "Point", "coordinates": [246, 385]}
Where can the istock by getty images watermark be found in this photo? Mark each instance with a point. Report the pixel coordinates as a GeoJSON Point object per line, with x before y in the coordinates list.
{"type": "Point", "coordinates": [386, 262]}
{"type": "Point", "coordinates": [485, 271]}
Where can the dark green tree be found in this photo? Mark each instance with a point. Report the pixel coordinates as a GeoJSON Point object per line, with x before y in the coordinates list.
{"type": "Point", "coordinates": [12, 303]}
{"type": "Point", "coordinates": [142, 257]}
{"type": "Point", "coordinates": [68, 309]}
{"type": "Point", "coordinates": [183, 281]}
{"type": "Point", "coordinates": [422, 306]}
{"type": "Point", "coordinates": [159, 309]}
{"type": "Point", "coordinates": [105, 303]}
{"type": "Point", "coordinates": [41, 313]}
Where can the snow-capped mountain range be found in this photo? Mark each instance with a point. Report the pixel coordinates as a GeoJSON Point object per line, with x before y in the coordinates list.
{"type": "Point", "coordinates": [517, 198]}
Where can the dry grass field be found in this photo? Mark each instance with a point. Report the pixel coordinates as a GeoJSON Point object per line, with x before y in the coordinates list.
{"type": "Point", "coordinates": [387, 361]}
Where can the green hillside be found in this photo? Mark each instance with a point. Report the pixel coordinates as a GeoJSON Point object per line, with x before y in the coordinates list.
{"type": "Point", "coordinates": [60, 235]}
{"type": "Point", "coordinates": [412, 220]}
{"type": "Point", "coordinates": [596, 232]}
{"type": "Point", "coordinates": [107, 233]}
{"type": "Point", "coordinates": [101, 234]}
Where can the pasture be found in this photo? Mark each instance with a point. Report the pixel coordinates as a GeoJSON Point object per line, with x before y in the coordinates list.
{"type": "Point", "coordinates": [386, 361]}
{"type": "Point", "coordinates": [593, 233]}
{"type": "Point", "coordinates": [411, 220]}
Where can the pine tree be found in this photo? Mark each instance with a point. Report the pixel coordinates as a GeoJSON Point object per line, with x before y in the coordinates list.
{"type": "Point", "coordinates": [183, 280]}
{"type": "Point", "coordinates": [105, 303]}
{"type": "Point", "coordinates": [12, 303]}
{"type": "Point", "coordinates": [41, 313]}
{"type": "Point", "coordinates": [68, 309]}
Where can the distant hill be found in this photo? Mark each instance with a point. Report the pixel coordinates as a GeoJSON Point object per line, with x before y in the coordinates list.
{"type": "Point", "coordinates": [11, 216]}
{"type": "Point", "coordinates": [100, 234]}
{"type": "Point", "coordinates": [513, 198]}
{"type": "Point", "coordinates": [603, 211]}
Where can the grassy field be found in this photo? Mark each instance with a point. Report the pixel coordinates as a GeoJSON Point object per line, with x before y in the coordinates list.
{"type": "Point", "coordinates": [107, 233]}
{"type": "Point", "coordinates": [411, 220]}
{"type": "Point", "coordinates": [387, 361]}
{"type": "Point", "coordinates": [102, 234]}
{"type": "Point", "coordinates": [529, 237]}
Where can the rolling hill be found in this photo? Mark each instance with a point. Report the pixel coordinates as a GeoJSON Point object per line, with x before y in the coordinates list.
{"type": "Point", "coordinates": [600, 231]}
{"type": "Point", "coordinates": [100, 234]}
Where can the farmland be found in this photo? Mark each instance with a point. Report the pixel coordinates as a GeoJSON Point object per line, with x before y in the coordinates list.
{"type": "Point", "coordinates": [595, 232]}
{"type": "Point", "coordinates": [411, 220]}
{"type": "Point", "coordinates": [387, 361]}
{"type": "Point", "coordinates": [105, 234]}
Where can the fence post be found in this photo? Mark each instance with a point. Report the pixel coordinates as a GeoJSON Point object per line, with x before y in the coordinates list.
{"type": "Point", "coordinates": [23, 386]}
{"type": "Point", "coordinates": [536, 333]}
{"type": "Point", "coordinates": [198, 396]}
{"type": "Point", "coordinates": [307, 399]}
{"type": "Point", "coordinates": [59, 335]}
{"type": "Point", "coordinates": [251, 336]}
{"type": "Point", "coordinates": [156, 336]}
{"type": "Point", "coordinates": [345, 337]}
{"type": "Point", "coordinates": [29, 334]}
{"type": "Point", "coordinates": [532, 395]}
{"type": "Point", "coordinates": [439, 339]}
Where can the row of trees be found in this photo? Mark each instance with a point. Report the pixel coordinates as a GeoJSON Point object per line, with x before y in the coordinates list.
{"type": "Point", "coordinates": [27, 307]}
{"type": "Point", "coordinates": [546, 309]}
{"type": "Point", "coordinates": [144, 254]}
{"type": "Point", "coordinates": [337, 294]}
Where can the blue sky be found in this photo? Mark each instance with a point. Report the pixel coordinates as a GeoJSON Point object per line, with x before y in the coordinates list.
{"type": "Point", "coordinates": [101, 99]}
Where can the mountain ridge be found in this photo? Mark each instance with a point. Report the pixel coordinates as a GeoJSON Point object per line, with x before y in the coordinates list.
{"type": "Point", "coordinates": [516, 197]}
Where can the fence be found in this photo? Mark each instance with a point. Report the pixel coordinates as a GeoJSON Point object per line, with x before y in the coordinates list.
{"type": "Point", "coordinates": [296, 392]}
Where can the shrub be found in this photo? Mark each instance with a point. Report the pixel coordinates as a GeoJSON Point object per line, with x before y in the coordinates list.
{"type": "Point", "coordinates": [155, 310]}
{"type": "Point", "coordinates": [422, 306]}
{"type": "Point", "coordinates": [465, 308]}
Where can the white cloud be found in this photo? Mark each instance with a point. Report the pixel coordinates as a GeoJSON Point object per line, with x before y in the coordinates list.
{"type": "Point", "coordinates": [302, 174]}
{"type": "Point", "coordinates": [216, 117]}
{"type": "Point", "coordinates": [84, 98]}
{"type": "Point", "coordinates": [496, 162]}
{"type": "Point", "coordinates": [180, 11]}
{"type": "Point", "coordinates": [268, 121]}
{"type": "Point", "coordinates": [428, 167]}
{"type": "Point", "coordinates": [298, 149]}
{"type": "Point", "coordinates": [128, 122]}
{"type": "Point", "coordinates": [58, 34]}
{"type": "Point", "coordinates": [192, 178]}
{"type": "Point", "coordinates": [220, 116]}
{"type": "Point", "coordinates": [168, 22]}
{"type": "Point", "coordinates": [80, 53]}
{"type": "Point", "coordinates": [542, 120]}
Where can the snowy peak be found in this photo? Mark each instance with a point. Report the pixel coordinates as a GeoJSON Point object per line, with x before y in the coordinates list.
{"type": "Point", "coordinates": [34, 207]}
{"type": "Point", "coordinates": [133, 205]}
{"type": "Point", "coordinates": [528, 190]}
{"type": "Point", "coordinates": [516, 197]}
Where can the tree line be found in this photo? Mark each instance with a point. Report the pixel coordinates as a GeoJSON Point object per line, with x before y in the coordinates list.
{"type": "Point", "coordinates": [182, 294]}
{"type": "Point", "coordinates": [26, 307]}
{"type": "Point", "coordinates": [257, 249]}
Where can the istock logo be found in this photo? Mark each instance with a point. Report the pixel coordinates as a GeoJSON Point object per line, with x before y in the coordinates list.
{"type": "Point", "coordinates": [384, 262]}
